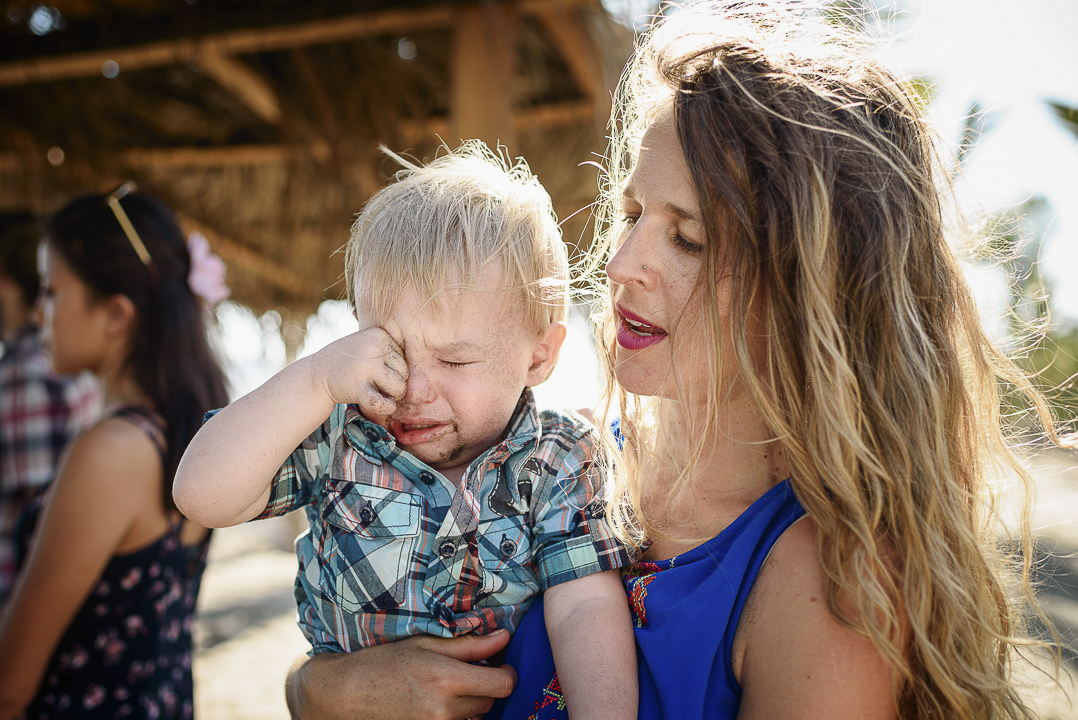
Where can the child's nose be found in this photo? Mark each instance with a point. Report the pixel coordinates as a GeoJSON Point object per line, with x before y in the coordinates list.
{"type": "Point", "coordinates": [419, 389]}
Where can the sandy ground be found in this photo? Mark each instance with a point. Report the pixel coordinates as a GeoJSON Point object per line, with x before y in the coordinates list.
{"type": "Point", "coordinates": [247, 637]}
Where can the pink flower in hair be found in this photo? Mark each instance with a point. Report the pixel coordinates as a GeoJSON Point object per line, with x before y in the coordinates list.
{"type": "Point", "coordinates": [207, 276]}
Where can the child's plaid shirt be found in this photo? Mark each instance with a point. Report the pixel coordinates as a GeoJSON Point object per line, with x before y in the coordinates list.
{"type": "Point", "coordinates": [395, 549]}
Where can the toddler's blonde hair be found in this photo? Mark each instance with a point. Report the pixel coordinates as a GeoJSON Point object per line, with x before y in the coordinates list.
{"type": "Point", "coordinates": [443, 225]}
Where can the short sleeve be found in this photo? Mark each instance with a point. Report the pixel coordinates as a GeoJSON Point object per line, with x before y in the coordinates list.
{"type": "Point", "coordinates": [571, 535]}
{"type": "Point", "coordinates": [297, 481]}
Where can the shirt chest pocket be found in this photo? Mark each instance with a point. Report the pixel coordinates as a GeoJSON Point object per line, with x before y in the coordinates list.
{"type": "Point", "coordinates": [370, 536]}
{"type": "Point", "coordinates": [504, 543]}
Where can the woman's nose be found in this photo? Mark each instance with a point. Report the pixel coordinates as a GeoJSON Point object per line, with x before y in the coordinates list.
{"type": "Point", "coordinates": [37, 312]}
{"type": "Point", "coordinates": [629, 263]}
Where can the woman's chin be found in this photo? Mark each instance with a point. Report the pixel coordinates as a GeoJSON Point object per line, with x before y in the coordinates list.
{"type": "Point", "coordinates": [637, 376]}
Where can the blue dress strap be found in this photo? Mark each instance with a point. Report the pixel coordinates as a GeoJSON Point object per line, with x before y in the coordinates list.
{"type": "Point", "coordinates": [685, 611]}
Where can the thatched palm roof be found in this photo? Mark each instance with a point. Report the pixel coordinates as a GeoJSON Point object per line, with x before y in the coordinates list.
{"type": "Point", "coordinates": [259, 120]}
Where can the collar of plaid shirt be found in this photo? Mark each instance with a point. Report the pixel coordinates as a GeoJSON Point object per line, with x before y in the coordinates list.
{"type": "Point", "coordinates": [524, 429]}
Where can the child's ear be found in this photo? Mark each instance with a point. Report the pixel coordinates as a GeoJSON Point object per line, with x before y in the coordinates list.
{"type": "Point", "coordinates": [546, 353]}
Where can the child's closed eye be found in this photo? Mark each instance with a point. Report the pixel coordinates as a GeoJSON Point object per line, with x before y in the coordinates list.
{"type": "Point", "coordinates": [451, 364]}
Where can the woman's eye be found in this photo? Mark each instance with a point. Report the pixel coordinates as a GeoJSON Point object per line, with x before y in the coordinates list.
{"type": "Point", "coordinates": [629, 220]}
{"type": "Point", "coordinates": [687, 245]}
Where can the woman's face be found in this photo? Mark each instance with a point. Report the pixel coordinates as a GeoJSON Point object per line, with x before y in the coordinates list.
{"type": "Point", "coordinates": [74, 324]}
{"type": "Point", "coordinates": [653, 273]}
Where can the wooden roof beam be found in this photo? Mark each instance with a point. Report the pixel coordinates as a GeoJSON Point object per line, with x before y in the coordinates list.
{"type": "Point", "coordinates": [238, 42]}
{"type": "Point", "coordinates": [246, 84]}
{"type": "Point", "coordinates": [540, 117]}
{"type": "Point", "coordinates": [193, 157]}
{"type": "Point", "coordinates": [567, 31]}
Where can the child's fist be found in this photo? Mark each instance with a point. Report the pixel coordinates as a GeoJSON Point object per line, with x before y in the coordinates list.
{"type": "Point", "coordinates": [366, 368]}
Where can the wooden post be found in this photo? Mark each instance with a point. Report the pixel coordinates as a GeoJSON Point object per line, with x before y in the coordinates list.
{"type": "Point", "coordinates": [482, 72]}
{"type": "Point", "coordinates": [570, 35]}
{"type": "Point", "coordinates": [293, 332]}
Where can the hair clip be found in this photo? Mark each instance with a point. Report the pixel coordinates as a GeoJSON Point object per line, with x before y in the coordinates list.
{"type": "Point", "coordinates": [113, 201]}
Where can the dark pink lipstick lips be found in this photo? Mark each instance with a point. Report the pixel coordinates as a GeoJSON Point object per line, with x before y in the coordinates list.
{"type": "Point", "coordinates": [635, 333]}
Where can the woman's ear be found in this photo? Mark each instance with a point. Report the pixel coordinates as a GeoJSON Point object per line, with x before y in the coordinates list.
{"type": "Point", "coordinates": [120, 315]}
{"type": "Point", "coordinates": [545, 355]}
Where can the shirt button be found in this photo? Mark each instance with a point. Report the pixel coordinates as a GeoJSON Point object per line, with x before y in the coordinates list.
{"type": "Point", "coordinates": [373, 435]}
{"type": "Point", "coordinates": [444, 612]}
{"type": "Point", "coordinates": [427, 477]}
{"type": "Point", "coordinates": [447, 549]}
{"type": "Point", "coordinates": [508, 547]}
{"type": "Point", "coordinates": [367, 515]}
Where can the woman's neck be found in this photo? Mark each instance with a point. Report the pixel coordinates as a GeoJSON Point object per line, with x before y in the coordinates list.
{"type": "Point", "coordinates": [120, 389]}
{"type": "Point", "coordinates": [740, 451]}
{"type": "Point", "coordinates": [739, 462]}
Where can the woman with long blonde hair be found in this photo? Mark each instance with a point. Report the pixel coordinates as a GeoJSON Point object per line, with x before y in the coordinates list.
{"type": "Point", "coordinates": [789, 328]}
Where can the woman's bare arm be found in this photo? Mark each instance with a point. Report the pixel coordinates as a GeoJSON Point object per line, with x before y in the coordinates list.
{"type": "Point", "coordinates": [793, 660]}
{"type": "Point", "coordinates": [97, 507]}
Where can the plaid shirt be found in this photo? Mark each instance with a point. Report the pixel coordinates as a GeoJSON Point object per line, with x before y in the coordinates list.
{"type": "Point", "coordinates": [39, 413]}
{"type": "Point", "coordinates": [395, 549]}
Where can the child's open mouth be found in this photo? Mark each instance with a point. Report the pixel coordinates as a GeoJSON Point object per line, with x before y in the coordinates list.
{"type": "Point", "coordinates": [635, 333]}
{"type": "Point", "coordinates": [419, 430]}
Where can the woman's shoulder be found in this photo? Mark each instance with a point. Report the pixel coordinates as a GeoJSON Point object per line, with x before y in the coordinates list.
{"type": "Point", "coordinates": [789, 650]}
{"type": "Point", "coordinates": [113, 448]}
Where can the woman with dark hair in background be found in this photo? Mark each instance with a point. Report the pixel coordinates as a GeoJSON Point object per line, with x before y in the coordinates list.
{"type": "Point", "coordinates": [99, 623]}
{"type": "Point", "coordinates": [40, 411]}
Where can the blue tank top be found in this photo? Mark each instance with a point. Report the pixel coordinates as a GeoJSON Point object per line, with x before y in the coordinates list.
{"type": "Point", "coordinates": [685, 611]}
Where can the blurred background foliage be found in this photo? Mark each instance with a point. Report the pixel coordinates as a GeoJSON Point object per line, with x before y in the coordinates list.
{"type": "Point", "coordinates": [1044, 345]}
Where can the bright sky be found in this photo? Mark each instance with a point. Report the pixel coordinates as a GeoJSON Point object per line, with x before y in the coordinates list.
{"type": "Point", "coordinates": [1008, 56]}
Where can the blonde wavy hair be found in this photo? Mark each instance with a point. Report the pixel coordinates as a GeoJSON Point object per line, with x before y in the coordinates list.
{"type": "Point", "coordinates": [441, 225]}
{"type": "Point", "coordinates": [822, 203]}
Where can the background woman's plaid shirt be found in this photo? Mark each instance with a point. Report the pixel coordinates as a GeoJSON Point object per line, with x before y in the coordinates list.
{"type": "Point", "coordinates": [396, 550]}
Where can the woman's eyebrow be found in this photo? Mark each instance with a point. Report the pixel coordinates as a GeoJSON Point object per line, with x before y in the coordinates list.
{"type": "Point", "coordinates": [693, 216]}
{"type": "Point", "coordinates": [683, 214]}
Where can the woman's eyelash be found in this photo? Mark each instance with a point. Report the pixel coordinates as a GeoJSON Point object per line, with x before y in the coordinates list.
{"type": "Point", "coordinates": [680, 240]}
{"type": "Point", "coordinates": [687, 245]}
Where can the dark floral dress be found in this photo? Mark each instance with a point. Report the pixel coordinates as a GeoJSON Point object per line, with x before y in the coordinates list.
{"type": "Point", "coordinates": [127, 653]}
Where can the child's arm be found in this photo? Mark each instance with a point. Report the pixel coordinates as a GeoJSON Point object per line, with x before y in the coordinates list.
{"type": "Point", "coordinates": [591, 634]}
{"type": "Point", "coordinates": [224, 477]}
